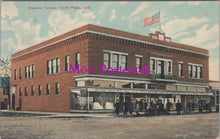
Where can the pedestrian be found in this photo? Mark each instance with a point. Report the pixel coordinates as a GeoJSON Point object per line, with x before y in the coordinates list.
{"type": "Point", "coordinates": [117, 107]}
{"type": "Point", "coordinates": [130, 107]}
{"type": "Point", "coordinates": [136, 103]}
{"type": "Point", "coordinates": [200, 106]}
{"type": "Point", "coordinates": [210, 107]}
{"type": "Point", "coordinates": [189, 105]}
{"type": "Point", "coordinates": [141, 103]}
{"type": "Point", "coordinates": [126, 107]}
{"type": "Point", "coordinates": [178, 107]}
{"type": "Point", "coordinates": [193, 106]}
{"type": "Point", "coordinates": [169, 104]}
{"type": "Point", "coordinates": [145, 107]}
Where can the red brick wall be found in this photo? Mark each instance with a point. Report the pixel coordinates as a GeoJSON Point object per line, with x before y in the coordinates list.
{"type": "Point", "coordinates": [96, 56]}
{"type": "Point", "coordinates": [53, 102]}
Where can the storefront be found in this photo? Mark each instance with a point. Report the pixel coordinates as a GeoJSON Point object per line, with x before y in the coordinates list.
{"type": "Point", "coordinates": [99, 99]}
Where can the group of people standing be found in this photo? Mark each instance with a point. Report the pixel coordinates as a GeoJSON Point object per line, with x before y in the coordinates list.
{"type": "Point", "coordinates": [154, 108]}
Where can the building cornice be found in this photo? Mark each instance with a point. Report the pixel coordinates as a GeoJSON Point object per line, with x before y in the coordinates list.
{"type": "Point", "coordinates": [110, 37]}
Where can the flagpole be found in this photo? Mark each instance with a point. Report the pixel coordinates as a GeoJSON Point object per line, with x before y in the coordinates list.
{"type": "Point", "coordinates": [159, 23]}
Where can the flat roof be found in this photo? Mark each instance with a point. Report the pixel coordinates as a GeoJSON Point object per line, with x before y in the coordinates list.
{"type": "Point", "coordinates": [112, 32]}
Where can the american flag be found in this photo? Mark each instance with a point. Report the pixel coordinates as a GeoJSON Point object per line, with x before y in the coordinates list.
{"type": "Point", "coordinates": [152, 20]}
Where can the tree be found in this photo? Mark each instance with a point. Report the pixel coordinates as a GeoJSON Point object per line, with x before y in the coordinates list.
{"type": "Point", "coordinates": [5, 74]}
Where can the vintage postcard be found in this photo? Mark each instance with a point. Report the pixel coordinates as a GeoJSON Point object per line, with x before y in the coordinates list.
{"type": "Point", "coordinates": [109, 69]}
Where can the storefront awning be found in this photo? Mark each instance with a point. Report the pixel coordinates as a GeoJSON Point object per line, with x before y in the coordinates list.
{"type": "Point", "coordinates": [144, 91]}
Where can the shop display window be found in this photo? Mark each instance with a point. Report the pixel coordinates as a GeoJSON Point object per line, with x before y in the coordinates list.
{"type": "Point", "coordinates": [101, 101]}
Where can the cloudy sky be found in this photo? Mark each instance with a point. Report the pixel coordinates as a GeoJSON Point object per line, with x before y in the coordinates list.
{"type": "Point", "coordinates": [193, 23]}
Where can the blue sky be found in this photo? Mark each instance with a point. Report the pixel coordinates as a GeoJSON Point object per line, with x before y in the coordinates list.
{"type": "Point", "coordinates": [193, 23]}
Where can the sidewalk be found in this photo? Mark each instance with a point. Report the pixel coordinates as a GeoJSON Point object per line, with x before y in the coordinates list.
{"type": "Point", "coordinates": [54, 114]}
{"type": "Point", "coordinates": [36, 114]}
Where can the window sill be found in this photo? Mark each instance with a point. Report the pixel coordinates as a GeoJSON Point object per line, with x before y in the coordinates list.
{"type": "Point", "coordinates": [30, 78]}
{"type": "Point", "coordinates": [53, 74]}
{"type": "Point", "coordinates": [58, 94]}
{"type": "Point", "coordinates": [195, 78]}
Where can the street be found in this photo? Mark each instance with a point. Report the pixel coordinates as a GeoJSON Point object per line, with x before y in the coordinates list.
{"type": "Point", "coordinates": [184, 126]}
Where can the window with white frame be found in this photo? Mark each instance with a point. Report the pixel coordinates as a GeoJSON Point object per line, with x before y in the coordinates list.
{"type": "Point", "coordinates": [115, 59]}
{"type": "Point", "coordinates": [20, 73]}
{"type": "Point", "coordinates": [152, 65]}
{"type": "Point", "coordinates": [67, 62]}
{"type": "Point", "coordinates": [33, 71]}
{"type": "Point", "coordinates": [77, 61]}
{"type": "Point", "coordinates": [57, 88]}
{"type": "Point", "coordinates": [39, 90]}
{"type": "Point", "coordinates": [48, 89]}
{"type": "Point", "coordinates": [190, 70]}
{"type": "Point", "coordinates": [123, 61]}
{"type": "Point", "coordinates": [199, 72]}
{"type": "Point", "coordinates": [53, 66]}
{"type": "Point", "coordinates": [29, 71]}
{"type": "Point", "coordinates": [107, 59]}
{"type": "Point", "coordinates": [180, 69]}
{"type": "Point", "coordinates": [138, 63]}
{"type": "Point", "coordinates": [32, 90]}
{"type": "Point", "coordinates": [160, 66]}
{"type": "Point", "coordinates": [195, 71]}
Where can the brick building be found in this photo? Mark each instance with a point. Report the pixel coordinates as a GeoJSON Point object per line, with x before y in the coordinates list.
{"type": "Point", "coordinates": [41, 79]}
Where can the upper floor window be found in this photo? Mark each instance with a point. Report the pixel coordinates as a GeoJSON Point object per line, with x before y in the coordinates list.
{"type": "Point", "coordinates": [15, 74]}
{"type": "Point", "coordinates": [180, 69]}
{"type": "Point", "coordinates": [195, 71]}
{"type": "Point", "coordinates": [107, 59]}
{"type": "Point", "coordinates": [123, 61]}
{"type": "Point", "coordinates": [53, 66]}
{"type": "Point", "coordinates": [161, 66]}
{"type": "Point", "coordinates": [190, 70]}
{"type": "Point", "coordinates": [115, 59]}
{"type": "Point", "coordinates": [25, 91]}
{"type": "Point", "coordinates": [33, 70]}
{"type": "Point", "coordinates": [138, 63]}
{"type": "Point", "coordinates": [168, 67]}
{"type": "Point", "coordinates": [152, 65]}
{"type": "Point", "coordinates": [29, 71]}
{"type": "Point", "coordinates": [199, 72]}
{"type": "Point", "coordinates": [39, 90]}
{"type": "Point", "coordinates": [26, 71]}
{"type": "Point", "coordinates": [77, 59]}
{"type": "Point", "coordinates": [32, 90]}
{"type": "Point", "coordinates": [20, 73]}
{"type": "Point", "coordinates": [67, 62]}
{"type": "Point", "coordinates": [57, 88]}
{"type": "Point", "coordinates": [48, 89]}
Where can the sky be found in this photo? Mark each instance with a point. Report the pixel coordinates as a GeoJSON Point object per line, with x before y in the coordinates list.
{"type": "Point", "coordinates": [192, 23]}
